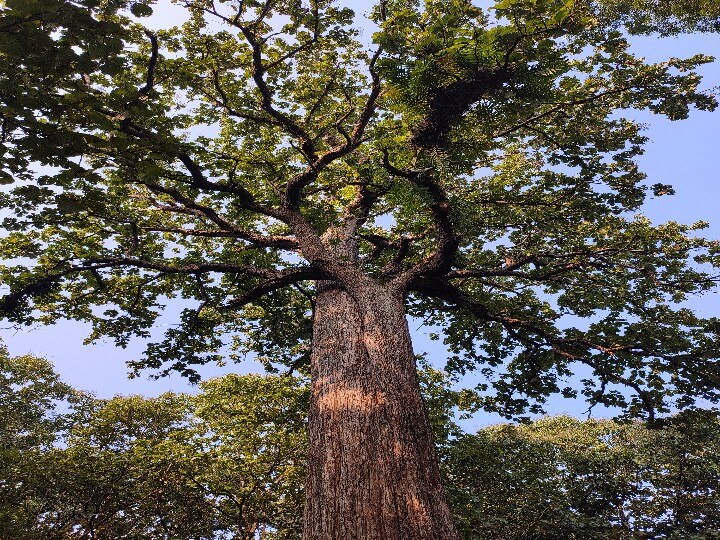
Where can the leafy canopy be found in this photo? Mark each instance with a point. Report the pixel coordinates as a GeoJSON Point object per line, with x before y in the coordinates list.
{"type": "Point", "coordinates": [480, 162]}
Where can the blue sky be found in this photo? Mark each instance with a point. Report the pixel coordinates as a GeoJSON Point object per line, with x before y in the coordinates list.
{"type": "Point", "coordinates": [685, 154]}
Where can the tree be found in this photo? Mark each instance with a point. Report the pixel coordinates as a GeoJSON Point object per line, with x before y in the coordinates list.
{"type": "Point", "coordinates": [563, 478]}
{"type": "Point", "coordinates": [245, 453]}
{"type": "Point", "coordinates": [300, 194]}
{"type": "Point", "coordinates": [106, 477]}
{"type": "Point", "coordinates": [30, 393]}
{"type": "Point", "coordinates": [227, 463]}
{"type": "Point", "coordinates": [211, 466]}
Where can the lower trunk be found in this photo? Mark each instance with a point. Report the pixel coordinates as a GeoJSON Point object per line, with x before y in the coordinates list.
{"type": "Point", "coordinates": [372, 470]}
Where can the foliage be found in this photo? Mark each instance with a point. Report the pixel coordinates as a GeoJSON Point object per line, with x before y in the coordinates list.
{"type": "Point", "coordinates": [667, 16]}
{"type": "Point", "coordinates": [227, 463]}
{"type": "Point", "coordinates": [246, 450]}
{"type": "Point", "coordinates": [30, 394]}
{"type": "Point", "coordinates": [595, 479]}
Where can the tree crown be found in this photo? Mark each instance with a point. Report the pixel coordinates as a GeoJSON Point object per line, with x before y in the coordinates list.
{"type": "Point", "coordinates": [479, 163]}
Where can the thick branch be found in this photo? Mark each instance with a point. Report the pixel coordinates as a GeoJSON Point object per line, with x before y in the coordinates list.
{"type": "Point", "coordinates": [447, 105]}
{"type": "Point", "coordinates": [192, 207]}
{"type": "Point", "coordinates": [277, 241]}
{"type": "Point", "coordinates": [273, 278]}
{"type": "Point", "coordinates": [370, 104]}
{"type": "Point", "coordinates": [296, 185]}
{"type": "Point", "coordinates": [357, 211]}
{"type": "Point", "coordinates": [401, 246]}
{"type": "Point", "coordinates": [281, 280]}
{"type": "Point", "coordinates": [199, 268]}
{"type": "Point", "coordinates": [266, 94]}
{"type": "Point", "coordinates": [564, 347]}
{"type": "Point", "coordinates": [446, 245]}
{"type": "Point", "coordinates": [555, 264]}
{"type": "Point", "coordinates": [198, 179]}
{"type": "Point", "coordinates": [152, 64]}
{"type": "Point", "coordinates": [224, 102]}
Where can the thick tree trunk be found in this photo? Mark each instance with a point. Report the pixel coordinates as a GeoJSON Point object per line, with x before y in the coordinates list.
{"type": "Point", "coordinates": [372, 470]}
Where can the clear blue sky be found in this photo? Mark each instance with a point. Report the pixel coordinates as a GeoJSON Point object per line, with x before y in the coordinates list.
{"type": "Point", "coordinates": [685, 154]}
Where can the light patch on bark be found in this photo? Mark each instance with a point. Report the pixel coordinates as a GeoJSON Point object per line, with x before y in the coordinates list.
{"type": "Point", "coordinates": [354, 399]}
{"type": "Point", "coordinates": [420, 512]}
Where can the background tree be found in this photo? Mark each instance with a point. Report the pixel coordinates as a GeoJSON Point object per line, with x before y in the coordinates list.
{"type": "Point", "coordinates": [228, 463]}
{"type": "Point", "coordinates": [30, 393]}
{"type": "Point", "coordinates": [472, 167]}
{"type": "Point", "coordinates": [561, 477]}
{"type": "Point", "coordinates": [245, 452]}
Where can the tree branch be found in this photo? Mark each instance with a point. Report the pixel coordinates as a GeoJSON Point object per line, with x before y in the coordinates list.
{"type": "Point", "coordinates": [296, 185]}
{"type": "Point", "coordinates": [152, 64]}
{"type": "Point", "coordinates": [224, 102]}
{"type": "Point", "coordinates": [274, 278]}
{"type": "Point", "coordinates": [446, 245]}
{"type": "Point", "coordinates": [532, 119]}
{"type": "Point", "coordinates": [282, 279]}
{"type": "Point", "coordinates": [451, 294]}
{"type": "Point", "coordinates": [279, 242]}
{"type": "Point", "coordinates": [258, 72]}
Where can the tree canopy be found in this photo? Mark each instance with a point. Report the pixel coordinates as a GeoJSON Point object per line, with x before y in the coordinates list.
{"type": "Point", "coordinates": [480, 161]}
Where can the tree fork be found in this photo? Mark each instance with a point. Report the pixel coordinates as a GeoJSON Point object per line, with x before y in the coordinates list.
{"type": "Point", "coordinates": [372, 468]}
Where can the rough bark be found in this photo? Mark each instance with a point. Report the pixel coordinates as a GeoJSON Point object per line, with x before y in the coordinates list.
{"type": "Point", "coordinates": [372, 469]}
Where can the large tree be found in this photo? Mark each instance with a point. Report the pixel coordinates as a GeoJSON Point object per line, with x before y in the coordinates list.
{"type": "Point", "coordinates": [299, 193]}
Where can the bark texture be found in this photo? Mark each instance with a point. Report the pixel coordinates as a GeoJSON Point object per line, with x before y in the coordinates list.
{"type": "Point", "coordinates": [372, 469]}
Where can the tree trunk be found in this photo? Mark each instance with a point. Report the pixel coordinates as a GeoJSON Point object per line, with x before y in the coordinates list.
{"type": "Point", "coordinates": [372, 469]}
